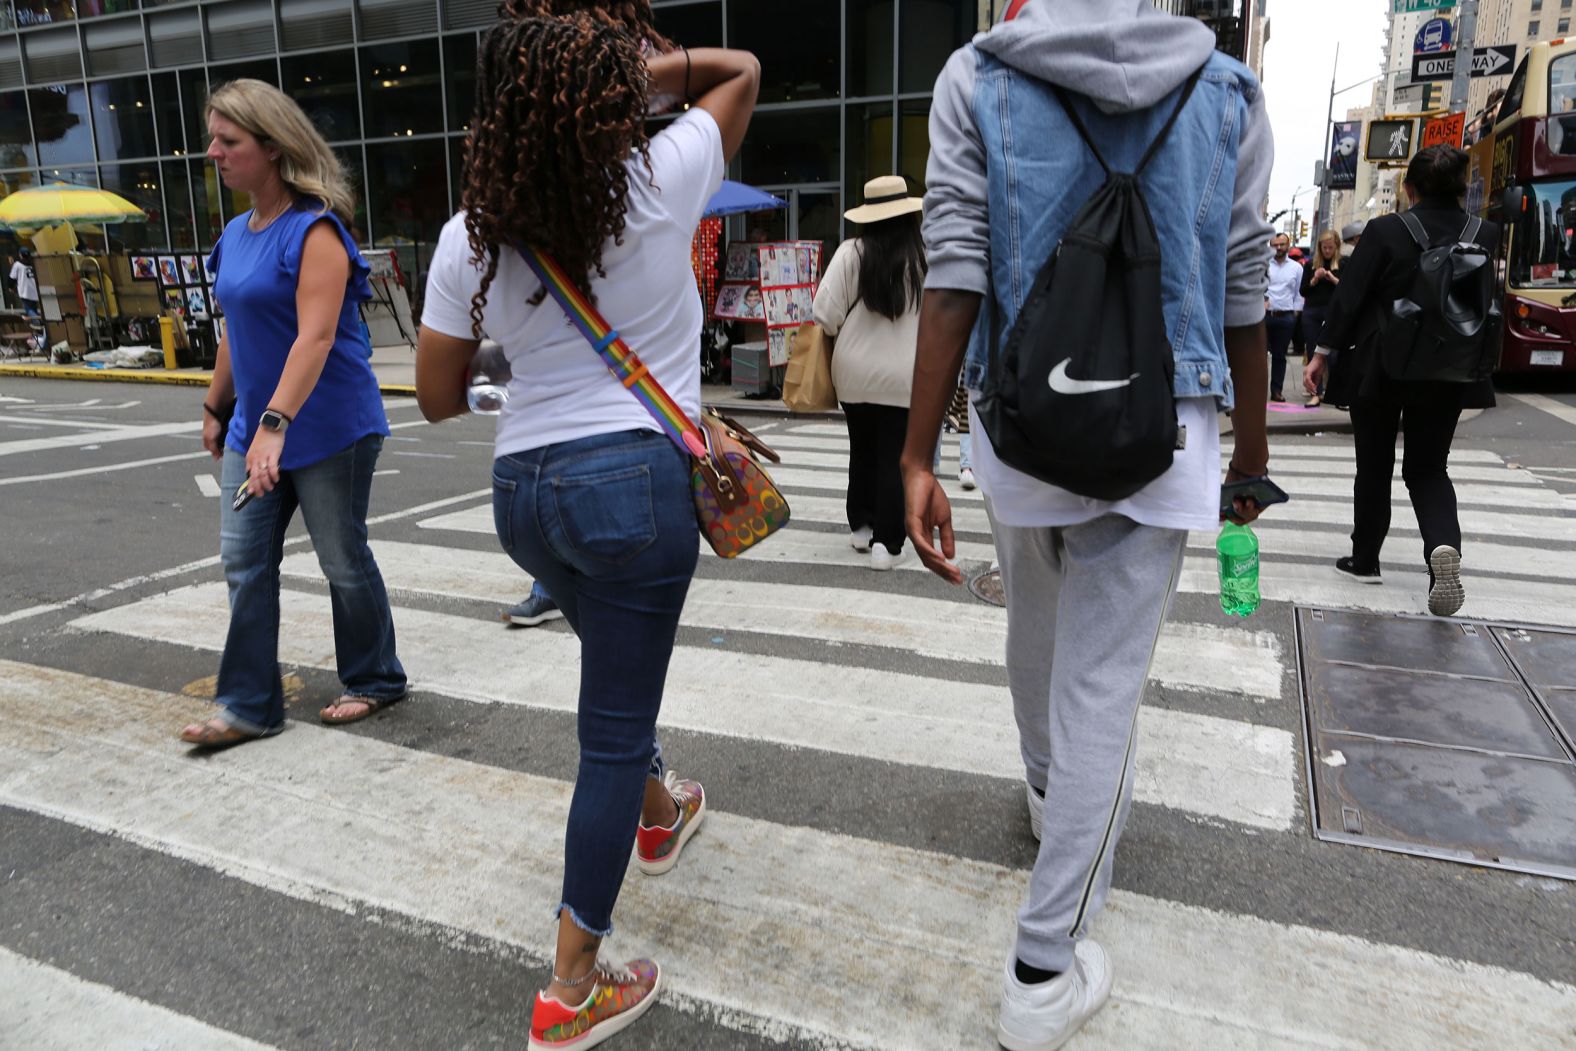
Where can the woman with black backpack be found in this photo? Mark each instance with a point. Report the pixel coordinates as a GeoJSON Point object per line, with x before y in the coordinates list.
{"type": "Point", "coordinates": [1381, 271]}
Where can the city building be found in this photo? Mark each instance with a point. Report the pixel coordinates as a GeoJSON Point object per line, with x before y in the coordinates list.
{"type": "Point", "coordinates": [110, 93]}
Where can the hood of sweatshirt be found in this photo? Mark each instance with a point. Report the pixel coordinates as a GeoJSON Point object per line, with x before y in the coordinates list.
{"type": "Point", "coordinates": [1123, 54]}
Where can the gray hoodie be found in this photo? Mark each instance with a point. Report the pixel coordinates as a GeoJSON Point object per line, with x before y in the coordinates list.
{"type": "Point", "coordinates": [1125, 56]}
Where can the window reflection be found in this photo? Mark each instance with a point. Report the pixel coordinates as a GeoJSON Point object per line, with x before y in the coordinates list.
{"type": "Point", "coordinates": [913, 141]}
{"type": "Point", "coordinates": [194, 98]}
{"type": "Point", "coordinates": [42, 12]}
{"type": "Point", "coordinates": [869, 69]}
{"type": "Point", "coordinates": [791, 146]}
{"type": "Point", "coordinates": [205, 189]}
{"type": "Point", "coordinates": [167, 114]}
{"type": "Point", "coordinates": [350, 160]}
{"type": "Point", "coordinates": [16, 138]}
{"type": "Point", "coordinates": [139, 184]}
{"type": "Point", "coordinates": [325, 87]}
{"type": "Point", "coordinates": [931, 31]}
{"type": "Point", "coordinates": [691, 25]}
{"type": "Point", "coordinates": [407, 200]}
{"type": "Point", "coordinates": [60, 120]}
{"type": "Point", "coordinates": [264, 69]}
{"type": "Point", "coordinates": [402, 93]}
{"type": "Point", "coordinates": [123, 118]}
{"type": "Point", "coordinates": [868, 151]}
{"type": "Point", "coordinates": [459, 72]}
{"type": "Point", "coordinates": [797, 63]}
{"type": "Point", "coordinates": [179, 216]}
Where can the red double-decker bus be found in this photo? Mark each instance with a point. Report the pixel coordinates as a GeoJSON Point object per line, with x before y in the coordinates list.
{"type": "Point", "coordinates": [1524, 177]}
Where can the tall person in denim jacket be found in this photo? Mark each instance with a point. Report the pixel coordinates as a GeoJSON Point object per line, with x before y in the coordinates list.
{"type": "Point", "coordinates": [589, 497]}
{"type": "Point", "coordinates": [308, 421]}
{"type": "Point", "coordinates": [1088, 582]}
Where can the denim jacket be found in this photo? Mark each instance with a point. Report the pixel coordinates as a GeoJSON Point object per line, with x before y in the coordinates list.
{"type": "Point", "coordinates": [1205, 190]}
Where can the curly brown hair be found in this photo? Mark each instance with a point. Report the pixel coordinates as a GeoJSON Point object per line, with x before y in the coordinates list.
{"type": "Point", "coordinates": [560, 106]}
{"type": "Point", "coordinates": [633, 16]}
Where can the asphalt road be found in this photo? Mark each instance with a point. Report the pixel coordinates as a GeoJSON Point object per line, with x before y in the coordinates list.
{"type": "Point", "coordinates": [109, 570]}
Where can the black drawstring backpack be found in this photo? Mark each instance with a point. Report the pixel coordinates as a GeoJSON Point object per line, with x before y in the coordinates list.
{"type": "Point", "coordinates": [1081, 395]}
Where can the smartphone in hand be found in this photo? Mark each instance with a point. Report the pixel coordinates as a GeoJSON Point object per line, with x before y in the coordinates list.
{"type": "Point", "coordinates": [1261, 491]}
{"type": "Point", "coordinates": [242, 496]}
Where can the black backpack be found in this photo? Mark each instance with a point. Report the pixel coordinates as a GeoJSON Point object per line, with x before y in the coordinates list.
{"type": "Point", "coordinates": [1081, 395]}
{"type": "Point", "coordinates": [1447, 326]}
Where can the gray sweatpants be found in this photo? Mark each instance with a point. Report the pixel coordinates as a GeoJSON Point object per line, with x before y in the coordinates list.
{"type": "Point", "coordinates": [1085, 605]}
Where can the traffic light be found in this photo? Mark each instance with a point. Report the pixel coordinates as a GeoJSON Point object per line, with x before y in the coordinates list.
{"type": "Point", "coordinates": [1434, 96]}
{"type": "Point", "coordinates": [1302, 230]}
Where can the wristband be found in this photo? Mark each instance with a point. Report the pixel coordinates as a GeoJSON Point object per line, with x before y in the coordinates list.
{"type": "Point", "coordinates": [211, 411]}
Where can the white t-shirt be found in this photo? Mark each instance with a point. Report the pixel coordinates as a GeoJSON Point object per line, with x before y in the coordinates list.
{"type": "Point", "coordinates": [26, 284]}
{"type": "Point", "coordinates": [560, 390]}
{"type": "Point", "coordinates": [874, 360]}
{"type": "Point", "coordinates": [1187, 496]}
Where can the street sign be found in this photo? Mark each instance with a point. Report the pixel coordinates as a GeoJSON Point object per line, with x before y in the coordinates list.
{"type": "Point", "coordinates": [1433, 37]}
{"type": "Point", "coordinates": [1445, 131]}
{"type": "Point", "coordinates": [1495, 61]}
{"type": "Point", "coordinates": [1408, 93]}
{"type": "Point", "coordinates": [1390, 140]}
{"type": "Point", "coordinates": [1402, 7]}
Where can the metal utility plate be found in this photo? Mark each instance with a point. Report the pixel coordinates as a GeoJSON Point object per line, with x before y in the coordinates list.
{"type": "Point", "coordinates": [1445, 738]}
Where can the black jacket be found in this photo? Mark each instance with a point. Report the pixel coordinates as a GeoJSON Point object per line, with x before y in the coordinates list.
{"type": "Point", "coordinates": [1319, 295]}
{"type": "Point", "coordinates": [1380, 271]}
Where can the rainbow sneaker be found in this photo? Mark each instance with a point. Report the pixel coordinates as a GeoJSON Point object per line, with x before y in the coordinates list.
{"type": "Point", "coordinates": [657, 849]}
{"type": "Point", "coordinates": [621, 995]}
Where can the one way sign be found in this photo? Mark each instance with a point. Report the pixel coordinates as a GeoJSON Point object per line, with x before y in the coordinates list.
{"type": "Point", "coordinates": [1495, 61]}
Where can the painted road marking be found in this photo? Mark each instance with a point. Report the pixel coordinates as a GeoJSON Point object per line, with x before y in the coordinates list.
{"type": "Point", "coordinates": [1206, 765]}
{"type": "Point", "coordinates": [99, 437]}
{"type": "Point", "coordinates": [105, 469]}
{"type": "Point", "coordinates": [208, 485]}
{"type": "Point", "coordinates": [50, 1008]}
{"type": "Point", "coordinates": [1558, 409]}
{"type": "Point", "coordinates": [478, 849]}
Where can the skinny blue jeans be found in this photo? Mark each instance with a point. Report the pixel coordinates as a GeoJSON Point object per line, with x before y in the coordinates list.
{"type": "Point", "coordinates": [607, 525]}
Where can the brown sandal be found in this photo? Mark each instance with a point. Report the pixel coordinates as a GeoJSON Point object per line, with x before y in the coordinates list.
{"type": "Point", "coordinates": [372, 706]}
{"type": "Point", "coordinates": [216, 734]}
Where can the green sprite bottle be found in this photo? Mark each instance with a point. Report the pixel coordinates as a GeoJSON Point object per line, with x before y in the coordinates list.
{"type": "Point", "coordinates": [1238, 550]}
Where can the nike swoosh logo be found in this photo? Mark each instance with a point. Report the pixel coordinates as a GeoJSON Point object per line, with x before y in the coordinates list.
{"type": "Point", "coordinates": [1062, 383]}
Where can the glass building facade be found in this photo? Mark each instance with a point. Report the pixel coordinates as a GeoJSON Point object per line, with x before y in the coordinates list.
{"type": "Point", "coordinates": [110, 93]}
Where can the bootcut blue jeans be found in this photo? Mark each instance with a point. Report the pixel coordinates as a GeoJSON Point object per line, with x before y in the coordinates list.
{"type": "Point", "coordinates": [333, 495]}
{"type": "Point", "coordinates": [607, 525]}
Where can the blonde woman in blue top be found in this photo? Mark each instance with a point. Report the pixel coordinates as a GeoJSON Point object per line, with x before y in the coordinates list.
{"type": "Point", "coordinates": [308, 421]}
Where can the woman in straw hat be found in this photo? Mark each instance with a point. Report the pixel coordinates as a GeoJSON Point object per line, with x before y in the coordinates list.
{"type": "Point", "coordinates": [869, 300]}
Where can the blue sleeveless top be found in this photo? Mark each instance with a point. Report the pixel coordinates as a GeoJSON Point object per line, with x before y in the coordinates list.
{"type": "Point", "coordinates": [255, 283]}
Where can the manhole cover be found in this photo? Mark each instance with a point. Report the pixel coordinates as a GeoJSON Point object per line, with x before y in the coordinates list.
{"type": "Point", "coordinates": [987, 587]}
{"type": "Point", "coordinates": [1447, 738]}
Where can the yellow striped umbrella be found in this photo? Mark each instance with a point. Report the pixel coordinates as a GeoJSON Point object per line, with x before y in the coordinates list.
{"type": "Point", "coordinates": [64, 203]}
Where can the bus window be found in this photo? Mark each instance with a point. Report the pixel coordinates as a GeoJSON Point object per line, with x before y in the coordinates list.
{"type": "Point", "coordinates": [1562, 84]}
{"type": "Point", "coordinates": [1544, 251]}
{"type": "Point", "coordinates": [1513, 93]}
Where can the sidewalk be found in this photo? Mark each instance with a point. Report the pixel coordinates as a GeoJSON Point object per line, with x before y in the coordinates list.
{"type": "Point", "coordinates": [395, 368]}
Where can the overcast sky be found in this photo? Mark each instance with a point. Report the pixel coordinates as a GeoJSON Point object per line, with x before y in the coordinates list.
{"type": "Point", "coordinates": [1297, 65]}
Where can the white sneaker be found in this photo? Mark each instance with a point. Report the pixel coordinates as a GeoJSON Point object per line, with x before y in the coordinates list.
{"type": "Point", "coordinates": [1445, 593]}
{"type": "Point", "coordinates": [881, 559]}
{"type": "Point", "coordinates": [966, 478]}
{"type": "Point", "coordinates": [1036, 812]}
{"type": "Point", "coordinates": [860, 538]}
{"type": "Point", "coordinates": [1044, 1017]}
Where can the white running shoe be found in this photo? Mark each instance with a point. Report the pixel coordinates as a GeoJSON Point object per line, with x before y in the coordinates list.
{"type": "Point", "coordinates": [1445, 593]}
{"type": "Point", "coordinates": [966, 478]}
{"type": "Point", "coordinates": [860, 538]}
{"type": "Point", "coordinates": [1044, 1017]}
{"type": "Point", "coordinates": [1036, 811]}
{"type": "Point", "coordinates": [881, 559]}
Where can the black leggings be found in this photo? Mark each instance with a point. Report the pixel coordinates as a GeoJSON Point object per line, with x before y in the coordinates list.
{"type": "Point", "coordinates": [1429, 430]}
{"type": "Point", "coordinates": [875, 482]}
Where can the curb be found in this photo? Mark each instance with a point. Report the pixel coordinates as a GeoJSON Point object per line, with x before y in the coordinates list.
{"type": "Point", "coordinates": [178, 378]}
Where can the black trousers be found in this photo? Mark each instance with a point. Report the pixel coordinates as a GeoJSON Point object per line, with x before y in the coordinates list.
{"type": "Point", "coordinates": [875, 482]}
{"type": "Point", "coordinates": [1429, 430]}
{"type": "Point", "coordinates": [1278, 329]}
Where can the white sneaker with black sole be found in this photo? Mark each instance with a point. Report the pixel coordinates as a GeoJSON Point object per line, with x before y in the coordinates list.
{"type": "Point", "coordinates": [1043, 1017]}
{"type": "Point", "coordinates": [1445, 593]}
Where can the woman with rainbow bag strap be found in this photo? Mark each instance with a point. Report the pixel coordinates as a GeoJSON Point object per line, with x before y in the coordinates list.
{"type": "Point", "coordinates": [592, 493]}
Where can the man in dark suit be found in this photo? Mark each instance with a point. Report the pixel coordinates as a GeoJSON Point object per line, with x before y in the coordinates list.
{"type": "Point", "coordinates": [1380, 271]}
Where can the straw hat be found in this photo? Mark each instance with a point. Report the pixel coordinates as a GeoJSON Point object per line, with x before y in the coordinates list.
{"type": "Point", "coordinates": [886, 196]}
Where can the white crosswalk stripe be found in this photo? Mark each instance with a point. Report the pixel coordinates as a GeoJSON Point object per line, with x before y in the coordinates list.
{"type": "Point", "coordinates": [869, 674]}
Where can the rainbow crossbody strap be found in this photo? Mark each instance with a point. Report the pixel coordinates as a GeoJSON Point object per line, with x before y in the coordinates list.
{"type": "Point", "coordinates": [622, 362]}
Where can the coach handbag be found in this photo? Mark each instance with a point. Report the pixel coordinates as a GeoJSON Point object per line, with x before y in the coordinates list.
{"type": "Point", "coordinates": [736, 503]}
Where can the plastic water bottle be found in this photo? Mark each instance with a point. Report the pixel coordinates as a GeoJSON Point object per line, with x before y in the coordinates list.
{"type": "Point", "coordinates": [485, 397]}
{"type": "Point", "coordinates": [1238, 551]}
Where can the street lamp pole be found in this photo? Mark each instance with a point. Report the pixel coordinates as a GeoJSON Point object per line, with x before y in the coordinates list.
{"type": "Point", "coordinates": [1321, 221]}
{"type": "Point", "coordinates": [1466, 39]}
